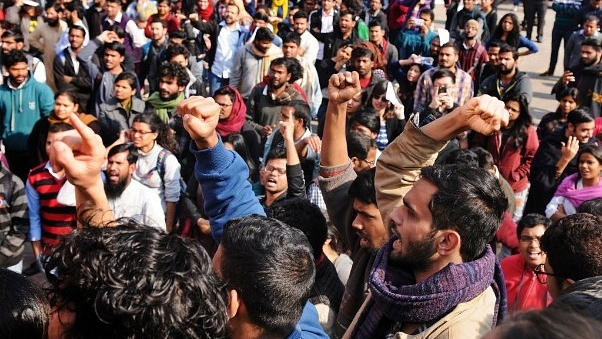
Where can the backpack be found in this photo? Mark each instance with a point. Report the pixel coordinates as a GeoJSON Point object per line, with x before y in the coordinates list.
{"type": "Point", "coordinates": [181, 214]}
{"type": "Point", "coordinates": [12, 238]}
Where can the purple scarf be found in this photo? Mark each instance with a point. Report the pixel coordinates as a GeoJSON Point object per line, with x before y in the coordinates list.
{"type": "Point", "coordinates": [577, 196]}
{"type": "Point", "coordinates": [397, 298]}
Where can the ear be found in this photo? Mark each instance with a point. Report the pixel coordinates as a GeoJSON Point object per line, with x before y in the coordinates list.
{"type": "Point", "coordinates": [181, 88]}
{"type": "Point", "coordinates": [132, 168]}
{"type": "Point", "coordinates": [448, 243]}
{"type": "Point", "coordinates": [234, 303]}
{"type": "Point", "coordinates": [354, 161]}
{"type": "Point", "coordinates": [566, 283]}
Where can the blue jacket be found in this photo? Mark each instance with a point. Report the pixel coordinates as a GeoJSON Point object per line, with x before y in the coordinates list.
{"type": "Point", "coordinates": [228, 194]}
{"type": "Point", "coordinates": [20, 109]}
{"type": "Point", "coordinates": [308, 326]}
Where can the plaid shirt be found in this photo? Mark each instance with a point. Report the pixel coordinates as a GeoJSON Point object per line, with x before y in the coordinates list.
{"type": "Point", "coordinates": [471, 58]}
{"type": "Point", "coordinates": [425, 90]}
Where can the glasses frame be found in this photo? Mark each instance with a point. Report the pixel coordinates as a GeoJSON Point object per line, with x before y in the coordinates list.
{"type": "Point", "coordinates": [539, 272]}
{"type": "Point", "coordinates": [142, 133]}
{"type": "Point", "coordinates": [271, 169]}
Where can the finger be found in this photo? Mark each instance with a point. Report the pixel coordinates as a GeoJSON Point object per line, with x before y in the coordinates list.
{"type": "Point", "coordinates": [61, 156]}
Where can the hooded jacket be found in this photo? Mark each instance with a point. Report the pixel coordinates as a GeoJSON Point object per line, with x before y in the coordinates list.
{"type": "Point", "coordinates": [20, 109]}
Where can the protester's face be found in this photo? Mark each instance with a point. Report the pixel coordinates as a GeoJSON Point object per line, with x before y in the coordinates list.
{"type": "Point", "coordinates": [507, 63]}
{"type": "Point", "coordinates": [163, 9]}
{"type": "Point", "coordinates": [290, 49]}
{"type": "Point", "coordinates": [590, 28]}
{"type": "Point", "coordinates": [279, 76]}
{"type": "Point", "coordinates": [369, 226]}
{"type": "Point", "coordinates": [486, 4]}
{"type": "Point", "coordinates": [364, 65]}
{"type": "Point", "coordinates": [470, 30]}
{"type": "Point", "coordinates": [273, 176]}
{"type": "Point", "coordinates": [346, 23]}
{"type": "Point", "coordinates": [18, 73]}
{"type": "Point", "coordinates": [262, 46]}
{"type": "Point", "coordinates": [119, 170]}
{"type": "Point", "coordinates": [291, 15]}
{"type": "Point", "coordinates": [52, 16]}
{"type": "Point", "coordinates": [158, 32]}
{"type": "Point", "coordinates": [76, 39]}
{"type": "Point", "coordinates": [182, 60]}
{"type": "Point", "coordinates": [426, 18]}
{"type": "Point", "coordinates": [225, 104]}
{"type": "Point", "coordinates": [380, 102]}
{"type": "Point", "coordinates": [112, 9]}
{"type": "Point", "coordinates": [309, 6]}
{"type": "Point", "coordinates": [203, 4]}
{"type": "Point", "coordinates": [583, 131]}
{"type": "Point", "coordinates": [435, 48]}
{"type": "Point", "coordinates": [589, 167]}
{"type": "Point", "coordinates": [447, 57]}
{"type": "Point", "coordinates": [354, 104]}
{"type": "Point", "coordinates": [231, 14]}
{"type": "Point", "coordinates": [300, 25]}
{"type": "Point", "coordinates": [413, 73]}
{"type": "Point", "coordinates": [123, 90]}
{"type": "Point", "coordinates": [357, 127]}
{"type": "Point", "coordinates": [64, 107]}
{"type": "Point", "coordinates": [377, 35]}
{"type": "Point", "coordinates": [411, 224]}
{"type": "Point", "coordinates": [375, 5]}
{"type": "Point", "coordinates": [513, 108]}
{"type": "Point", "coordinates": [529, 246]}
{"type": "Point", "coordinates": [469, 4]}
{"type": "Point", "coordinates": [344, 53]}
{"type": "Point", "coordinates": [9, 44]}
{"type": "Point", "coordinates": [169, 88]}
{"type": "Point", "coordinates": [507, 24]}
{"type": "Point", "coordinates": [494, 55]}
{"type": "Point", "coordinates": [112, 59]}
{"type": "Point", "coordinates": [327, 5]}
{"type": "Point", "coordinates": [142, 135]}
{"type": "Point", "coordinates": [567, 104]}
{"type": "Point", "coordinates": [589, 56]}
{"type": "Point", "coordinates": [260, 23]}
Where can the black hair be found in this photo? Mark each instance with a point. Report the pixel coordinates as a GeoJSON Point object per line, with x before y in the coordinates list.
{"type": "Point", "coordinates": [531, 220]}
{"type": "Point", "coordinates": [366, 117]}
{"type": "Point", "coordinates": [173, 70]}
{"type": "Point", "coordinates": [485, 158]}
{"type": "Point", "coordinates": [122, 148]}
{"type": "Point", "coordinates": [463, 157]}
{"type": "Point", "coordinates": [292, 66]}
{"type": "Point", "coordinates": [305, 216]}
{"type": "Point", "coordinates": [592, 206]}
{"type": "Point", "coordinates": [135, 281]}
{"type": "Point", "coordinates": [14, 57]}
{"type": "Point", "coordinates": [173, 50]}
{"type": "Point", "coordinates": [176, 35]}
{"type": "Point", "coordinates": [264, 34]}
{"type": "Point", "coordinates": [156, 125]}
{"type": "Point", "coordinates": [25, 311]}
{"type": "Point", "coordinates": [302, 111]}
{"type": "Point", "coordinates": [240, 146]}
{"type": "Point", "coordinates": [69, 94]}
{"type": "Point", "coordinates": [271, 266]}
{"type": "Point", "coordinates": [507, 48]}
{"type": "Point", "coordinates": [261, 16]}
{"type": "Point", "coordinates": [513, 36]}
{"type": "Point", "coordinates": [300, 15]}
{"type": "Point", "coordinates": [115, 46]}
{"type": "Point", "coordinates": [362, 188]}
{"type": "Point", "coordinates": [359, 52]}
{"type": "Point", "coordinates": [592, 42]}
{"type": "Point", "coordinates": [225, 90]}
{"type": "Point", "coordinates": [469, 201]}
{"type": "Point", "coordinates": [359, 145]}
{"type": "Point", "coordinates": [15, 34]}
{"type": "Point", "coordinates": [276, 152]}
{"type": "Point", "coordinates": [77, 28]}
{"type": "Point", "coordinates": [444, 73]}
{"type": "Point", "coordinates": [291, 37]}
{"type": "Point", "coordinates": [519, 130]}
{"type": "Point", "coordinates": [579, 115]}
{"type": "Point", "coordinates": [130, 77]}
{"type": "Point", "coordinates": [59, 127]}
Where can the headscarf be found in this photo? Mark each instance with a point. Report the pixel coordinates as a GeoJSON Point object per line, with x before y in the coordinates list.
{"type": "Point", "coordinates": [236, 119]}
{"type": "Point", "coordinates": [207, 13]}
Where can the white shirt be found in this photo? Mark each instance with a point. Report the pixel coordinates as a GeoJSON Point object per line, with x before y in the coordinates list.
{"type": "Point", "coordinates": [227, 45]}
{"type": "Point", "coordinates": [139, 203]}
{"type": "Point", "coordinates": [310, 47]}
{"type": "Point", "coordinates": [327, 27]}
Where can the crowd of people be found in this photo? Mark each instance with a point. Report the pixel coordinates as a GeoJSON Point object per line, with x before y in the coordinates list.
{"type": "Point", "coordinates": [297, 169]}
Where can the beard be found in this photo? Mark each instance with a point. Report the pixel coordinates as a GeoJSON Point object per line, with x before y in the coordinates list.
{"type": "Point", "coordinates": [52, 22]}
{"type": "Point", "coordinates": [168, 96]}
{"type": "Point", "coordinates": [418, 257]}
{"type": "Point", "coordinates": [114, 190]}
{"type": "Point", "coordinates": [504, 71]}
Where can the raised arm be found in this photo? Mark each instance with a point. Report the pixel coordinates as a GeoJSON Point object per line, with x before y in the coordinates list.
{"type": "Point", "coordinates": [221, 173]}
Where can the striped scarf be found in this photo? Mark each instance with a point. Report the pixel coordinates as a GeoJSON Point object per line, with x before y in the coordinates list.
{"type": "Point", "coordinates": [397, 298]}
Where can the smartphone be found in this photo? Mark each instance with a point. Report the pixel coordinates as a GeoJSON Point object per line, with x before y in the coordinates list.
{"type": "Point", "coordinates": [442, 89]}
{"type": "Point", "coordinates": [418, 22]}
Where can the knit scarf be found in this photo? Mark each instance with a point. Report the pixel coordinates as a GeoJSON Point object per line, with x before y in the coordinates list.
{"type": "Point", "coordinates": [286, 96]}
{"type": "Point", "coordinates": [236, 119]}
{"type": "Point", "coordinates": [576, 196]}
{"type": "Point", "coordinates": [266, 60]}
{"type": "Point", "coordinates": [280, 8]}
{"type": "Point", "coordinates": [398, 298]}
{"type": "Point", "coordinates": [205, 14]}
{"type": "Point", "coordinates": [163, 107]}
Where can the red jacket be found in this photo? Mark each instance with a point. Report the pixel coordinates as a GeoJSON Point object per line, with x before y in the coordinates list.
{"type": "Point", "coordinates": [524, 291]}
{"type": "Point", "coordinates": [514, 165]}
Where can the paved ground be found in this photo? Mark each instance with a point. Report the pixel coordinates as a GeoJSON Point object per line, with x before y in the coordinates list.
{"type": "Point", "coordinates": [534, 64]}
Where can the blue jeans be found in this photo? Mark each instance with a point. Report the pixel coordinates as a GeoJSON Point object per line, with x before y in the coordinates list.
{"type": "Point", "coordinates": [216, 82]}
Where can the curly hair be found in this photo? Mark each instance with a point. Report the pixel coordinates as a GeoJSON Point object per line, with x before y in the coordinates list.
{"type": "Point", "coordinates": [164, 139]}
{"type": "Point", "coordinates": [134, 281]}
{"type": "Point", "coordinates": [173, 70]}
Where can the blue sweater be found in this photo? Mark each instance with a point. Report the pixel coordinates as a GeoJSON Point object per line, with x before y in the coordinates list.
{"type": "Point", "coordinates": [223, 176]}
{"type": "Point", "coordinates": [20, 109]}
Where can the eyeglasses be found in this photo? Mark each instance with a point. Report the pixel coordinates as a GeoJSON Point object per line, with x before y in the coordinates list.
{"type": "Point", "coordinates": [142, 133]}
{"type": "Point", "coordinates": [528, 239]}
{"type": "Point", "coordinates": [541, 274]}
{"type": "Point", "coordinates": [270, 169]}
{"type": "Point", "coordinates": [370, 162]}
{"type": "Point", "coordinates": [382, 98]}
{"type": "Point", "coordinates": [224, 105]}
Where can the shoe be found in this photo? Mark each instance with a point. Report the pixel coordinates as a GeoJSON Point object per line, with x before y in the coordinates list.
{"type": "Point", "coordinates": [547, 73]}
{"type": "Point", "coordinates": [539, 40]}
{"type": "Point", "coordinates": [515, 9]}
{"type": "Point", "coordinates": [31, 270]}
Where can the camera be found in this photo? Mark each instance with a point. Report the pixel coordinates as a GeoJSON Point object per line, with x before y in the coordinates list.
{"type": "Point", "coordinates": [442, 89]}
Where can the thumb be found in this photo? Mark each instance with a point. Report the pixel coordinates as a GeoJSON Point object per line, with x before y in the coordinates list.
{"type": "Point", "coordinates": [60, 155]}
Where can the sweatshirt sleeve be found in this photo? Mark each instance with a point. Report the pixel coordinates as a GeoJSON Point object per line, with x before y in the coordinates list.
{"type": "Point", "coordinates": [228, 194]}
